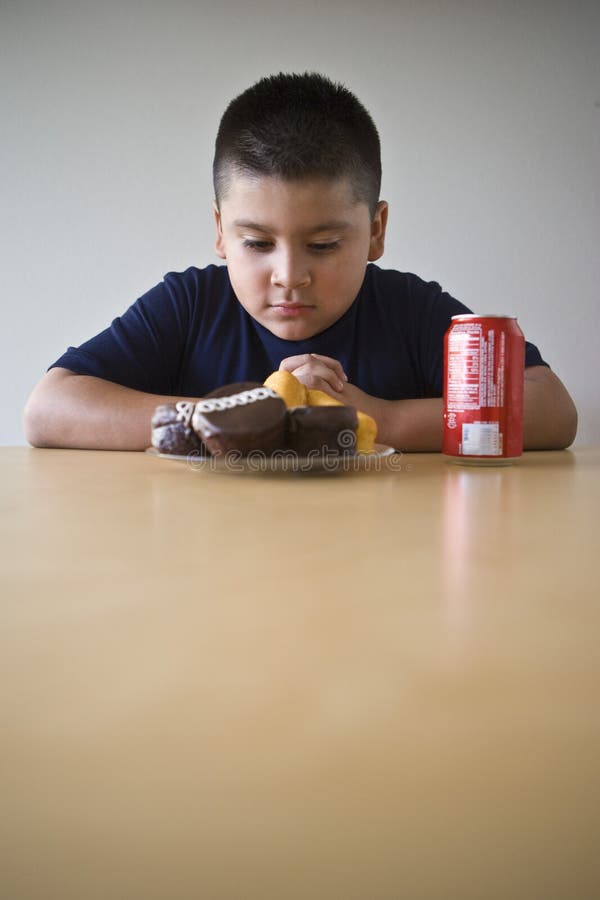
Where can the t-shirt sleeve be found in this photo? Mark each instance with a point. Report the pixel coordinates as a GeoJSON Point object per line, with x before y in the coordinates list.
{"type": "Point", "coordinates": [533, 357]}
{"type": "Point", "coordinates": [436, 309]}
{"type": "Point", "coordinates": [143, 348]}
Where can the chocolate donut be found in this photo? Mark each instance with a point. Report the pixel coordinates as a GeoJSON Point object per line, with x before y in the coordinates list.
{"type": "Point", "coordinates": [245, 417]}
{"type": "Point", "coordinates": [322, 430]}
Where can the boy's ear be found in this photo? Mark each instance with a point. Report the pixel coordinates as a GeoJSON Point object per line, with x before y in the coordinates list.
{"type": "Point", "coordinates": [219, 243]}
{"type": "Point", "coordinates": [378, 227]}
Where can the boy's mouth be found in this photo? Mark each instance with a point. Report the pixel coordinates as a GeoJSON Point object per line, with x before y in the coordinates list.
{"type": "Point", "coordinates": [291, 309]}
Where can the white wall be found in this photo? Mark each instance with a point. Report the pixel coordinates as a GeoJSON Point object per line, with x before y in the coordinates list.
{"type": "Point", "coordinates": [489, 113]}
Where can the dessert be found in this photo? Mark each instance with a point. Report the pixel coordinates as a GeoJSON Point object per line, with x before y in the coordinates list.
{"type": "Point", "coordinates": [320, 430]}
{"type": "Point", "coordinates": [172, 431]}
{"type": "Point", "coordinates": [291, 391]}
{"type": "Point", "coordinates": [246, 417]}
{"type": "Point", "coordinates": [365, 433]}
{"type": "Point", "coordinates": [320, 398]}
{"type": "Point", "coordinates": [367, 426]}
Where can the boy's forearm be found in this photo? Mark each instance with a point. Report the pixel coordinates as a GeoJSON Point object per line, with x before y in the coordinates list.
{"type": "Point", "coordinates": [87, 413]}
{"type": "Point", "coordinates": [410, 425]}
{"type": "Point", "coordinates": [549, 416]}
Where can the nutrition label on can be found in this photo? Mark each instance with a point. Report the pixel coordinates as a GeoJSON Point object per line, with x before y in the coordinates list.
{"type": "Point", "coordinates": [474, 378]}
{"type": "Point", "coordinates": [481, 439]}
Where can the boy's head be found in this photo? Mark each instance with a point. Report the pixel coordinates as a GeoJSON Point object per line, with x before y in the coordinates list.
{"type": "Point", "coordinates": [298, 127]}
{"type": "Point", "coordinates": [297, 173]}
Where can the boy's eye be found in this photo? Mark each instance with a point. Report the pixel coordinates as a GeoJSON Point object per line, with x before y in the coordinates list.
{"type": "Point", "coordinates": [264, 246]}
{"type": "Point", "coordinates": [324, 246]}
{"type": "Point", "coordinates": [257, 245]}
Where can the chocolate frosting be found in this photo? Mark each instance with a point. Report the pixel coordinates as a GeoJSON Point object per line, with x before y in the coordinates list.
{"type": "Point", "coordinates": [322, 430]}
{"type": "Point", "coordinates": [171, 434]}
{"type": "Point", "coordinates": [243, 417]}
{"type": "Point", "coordinates": [248, 417]}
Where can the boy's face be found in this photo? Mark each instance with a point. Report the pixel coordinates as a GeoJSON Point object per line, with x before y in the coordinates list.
{"type": "Point", "coordinates": [296, 251]}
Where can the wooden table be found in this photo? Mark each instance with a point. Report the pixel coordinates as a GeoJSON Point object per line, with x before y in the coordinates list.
{"type": "Point", "coordinates": [371, 685]}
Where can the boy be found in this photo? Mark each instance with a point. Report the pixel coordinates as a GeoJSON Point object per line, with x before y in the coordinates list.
{"type": "Point", "coordinates": [298, 220]}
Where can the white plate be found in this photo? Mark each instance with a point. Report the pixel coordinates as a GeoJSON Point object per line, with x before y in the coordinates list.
{"type": "Point", "coordinates": [283, 461]}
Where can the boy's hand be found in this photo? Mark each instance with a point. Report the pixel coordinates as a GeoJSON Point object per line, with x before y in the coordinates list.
{"type": "Point", "coordinates": [323, 373]}
{"type": "Point", "coordinates": [318, 372]}
{"type": "Point", "coordinates": [404, 424]}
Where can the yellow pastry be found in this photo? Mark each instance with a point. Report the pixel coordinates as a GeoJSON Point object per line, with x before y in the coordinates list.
{"type": "Point", "coordinates": [365, 433]}
{"type": "Point", "coordinates": [294, 393]}
{"type": "Point", "coordinates": [291, 391]}
{"type": "Point", "coordinates": [367, 427]}
{"type": "Point", "coordinates": [320, 398]}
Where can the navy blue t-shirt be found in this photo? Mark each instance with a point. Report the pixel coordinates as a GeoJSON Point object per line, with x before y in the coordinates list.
{"type": "Point", "coordinates": [190, 335]}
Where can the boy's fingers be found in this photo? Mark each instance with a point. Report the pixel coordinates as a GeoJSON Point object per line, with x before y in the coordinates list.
{"type": "Point", "coordinates": [334, 364]}
{"type": "Point", "coordinates": [314, 383]}
{"type": "Point", "coordinates": [291, 363]}
{"type": "Point", "coordinates": [318, 376]}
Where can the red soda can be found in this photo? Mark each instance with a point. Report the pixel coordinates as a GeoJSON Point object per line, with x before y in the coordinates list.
{"type": "Point", "coordinates": [484, 365]}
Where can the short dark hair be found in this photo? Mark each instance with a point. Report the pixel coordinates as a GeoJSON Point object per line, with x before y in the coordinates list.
{"type": "Point", "coordinates": [297, 126]}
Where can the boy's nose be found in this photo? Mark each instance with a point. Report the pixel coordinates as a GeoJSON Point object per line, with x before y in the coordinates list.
{"type": "Point", "coordinates": [290, 272]}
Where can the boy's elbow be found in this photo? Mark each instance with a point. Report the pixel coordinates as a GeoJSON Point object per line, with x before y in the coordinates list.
{"type": "Point", "coordinates": [568, 429]}
{"type": "Point", "coordinates": [550, 413]}
{"type": "Point", "coordinates": [33, 424]}
{"type": "Point", "coordinates": [564, 419]}
{"type": "Point", "coordinates": [44, 408]}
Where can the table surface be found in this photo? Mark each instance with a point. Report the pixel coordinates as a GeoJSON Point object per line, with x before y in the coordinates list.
{"type": "Point", "coordinates": [367, 685]}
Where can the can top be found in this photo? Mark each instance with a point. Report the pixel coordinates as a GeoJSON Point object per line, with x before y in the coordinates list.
{"type": "Point", "coordinates": [481, 316]}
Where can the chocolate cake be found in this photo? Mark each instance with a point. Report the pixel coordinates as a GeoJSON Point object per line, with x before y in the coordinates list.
{"type": "Point", "coordinates": [172, 432]}
{"type": "Point", "coordinates": [248, 417]}
{"type": "Point", "coordinates": [245, 417]}
{"type": "Point", "coordinates": [322, 430]}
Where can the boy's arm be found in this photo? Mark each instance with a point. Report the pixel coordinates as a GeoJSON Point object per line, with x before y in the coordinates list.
{"type": "Point", "coordinates": [86, 413]}
{"type": "Point", "coordinates": [549, 417]}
